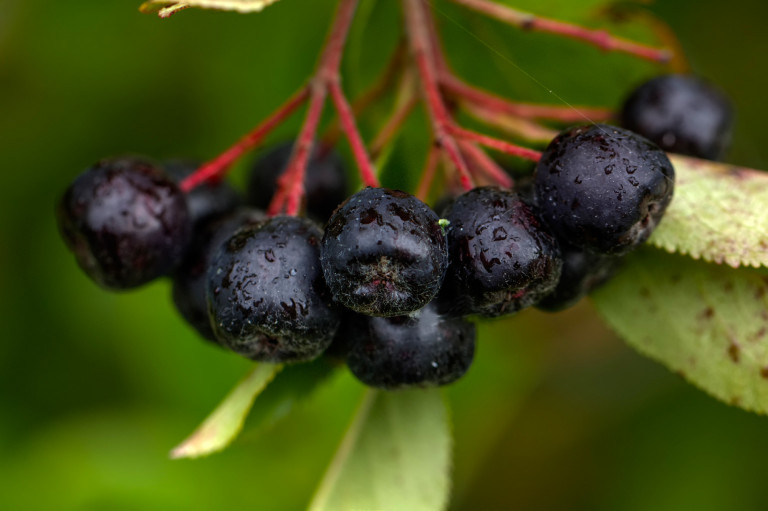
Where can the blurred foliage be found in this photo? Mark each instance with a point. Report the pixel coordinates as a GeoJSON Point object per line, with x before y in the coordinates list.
{"type": "Point", "coordinates": [97, 387]}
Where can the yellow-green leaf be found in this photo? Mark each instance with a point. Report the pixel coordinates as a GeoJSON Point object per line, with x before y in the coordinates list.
{"type": "Point", "coordinates": [225, 422]}
{"type": "Point", "coordinates": [708, 322]}
{"type": "Point", "coordinates": [395, 456]}
{"type": "Point", "coordinates": [165, 8]}
{"type": "Point", "coordinates": [719, 213]}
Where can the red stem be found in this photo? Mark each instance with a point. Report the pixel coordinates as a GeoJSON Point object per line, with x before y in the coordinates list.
{"type": "Point", "coordinates": [290, 185]}
{"type": "Point", "coordinates": [485, 163]}
{"type": "Point", "coordinates": [599, 38]}
{"type": "Point", "coordinates": [531, 111]}
{"type": "Point", "coordinates": [393, 125]}
{"type": "Point", "coordinates": [428, 174]}
{"type": "Point", "coordinates": [419, 38]}
{"type": "Point", "coordinates": [347, 118]}
{"type": "Point", "coordinates": [495, 143]}
{"type": "Point", "coordinates": [379, 88]}
{"type": "Point", "coordinates": [217, 168]}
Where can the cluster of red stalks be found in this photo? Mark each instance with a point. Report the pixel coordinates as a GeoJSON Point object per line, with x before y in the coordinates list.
{"type": "Point", "coordinates": [424, 75]}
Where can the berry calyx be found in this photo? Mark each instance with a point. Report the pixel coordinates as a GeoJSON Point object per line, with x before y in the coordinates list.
{"type": "Point", "coordinates": [266, 296]}
{"type": "Point", "coordinates": [126, 222]}
{"type": "Point", "coordinates": [603, 188]}
{"type": "Point", "coordinates": [502, 258]}
{"type": "Point", "coordinates": [384, 253]}
{"type": "Point", "coordinates": [681, 114]}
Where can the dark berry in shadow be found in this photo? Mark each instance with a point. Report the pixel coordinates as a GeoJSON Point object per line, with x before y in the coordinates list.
{"type": "Point", "coordinates": [325, 183]}
{"type": "Point", "coordinates": [418, 350]}
{"type": "Point", "coordinates": [583, 272]}
{"type": "Point", "coordinates": [681, 114]}
{"type": "Point", "coordinates": [190, 278]}
{"type": "Point", "coordinates": [207, 200]}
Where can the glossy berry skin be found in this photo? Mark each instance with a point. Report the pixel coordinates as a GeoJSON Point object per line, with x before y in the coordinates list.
{"type": "Point", "coordinates": [266, 296]}
{"type": "Point", "coordinates": [418, 350]}
{"type": "Point", "coordinates": [603, 188]}
{"type": "Point", "coordinates": [190, 278]}
{"type": "Point", "coordinates": [325, 181]}
{"type": "Point", "coordinates": [205, 201]}
{"type": "Point", "coordinates": [503, 259]}
{"type": "Point", "coordinates": [682, 114]}
{"type": "Point", "coordinates": [384, 253]}
{"type": "Point", "coordinates": [583, 272]}
{"type": "Point", "coordinates": [125, 221]}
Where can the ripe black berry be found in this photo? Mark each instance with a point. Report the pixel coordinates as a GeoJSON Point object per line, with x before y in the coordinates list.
{"type": "Point", "coordinates": [384, 253]}
{"type": "Point", "coordinates": [682, 114]}
{"type": "Point", "coordinates": [420, 349]}
{"type": "Point", "coordinates": [583, 272]}
{"type": "Point", "coordinates": [189, 280]}
{"type": "Point", "coordinates": [126, 222]}
{"type": "Point", "coordinates": [266, 295]}
{"type": "Point", "coordinates": [502, 258]}
{"type": "Point", "coordinates": [603, 188]}
{"type": "Point", "coordinates": [207, 200]}
{"type": "Point", "coordinates": [325, 183]}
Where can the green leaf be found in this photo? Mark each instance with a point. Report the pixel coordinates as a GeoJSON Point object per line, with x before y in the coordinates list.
{"type": "Point", "coordinates": [225, 422]}
{"type": "Point", "coordinates": [719, 213]}
{"type": "Point", "coordinates": [296, 383]}
{"type": "Point", "coordinates": [706, 321]}
{"type": "Point", "coordinates": [165, 8]}
{"type": "Point", "coordinates": [395, 455]}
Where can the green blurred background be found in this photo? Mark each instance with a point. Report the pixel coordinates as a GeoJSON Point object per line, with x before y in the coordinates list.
{"type": "Point", "coordinates": [95, 387]}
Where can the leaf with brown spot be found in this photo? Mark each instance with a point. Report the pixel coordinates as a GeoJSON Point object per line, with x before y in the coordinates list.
{"type": "Point", "coordinates": [165, 8]}
{"type": "Point", "coordinates": [719, 213]}
{"type": "Point", "coordinates": [705, 321]}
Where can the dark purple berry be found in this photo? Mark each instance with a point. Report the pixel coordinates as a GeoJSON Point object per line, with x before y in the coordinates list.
{"type": "Point", "coordinates": [583, 272]}
{"type": "Point", "coordinates": [205, 201]}
{"type": "Point", "coordinates": [190, 278]}
{"type": "Point", "coordinates": [266, 296]}
{"type": "Point", "coordinates": [502, 258]}
{"type": "Point", "coordinates": [682, 114]}
{"type": "Point", "coordinates": [384, 253]}
{"type": "Point", "coordinates": [325, 182]}
{"type": "Point", "coordinates": [603, 188]}
{"type": "Point", "coordinates": [125, 221]}
{"type": "Point", "coordinates": [418, 350]}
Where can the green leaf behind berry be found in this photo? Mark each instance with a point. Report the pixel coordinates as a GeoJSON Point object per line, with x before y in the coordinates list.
{"type": "Point", "coordinates": [165, 8]}
{"type": "Point", "coordinates": [706, 321]}
{"type": "Point", "coordinates": [395, 455]}
{"type": "Point", "coordinates": [719, 214]}
{"type": "Point", "coordinates": [225, 422]}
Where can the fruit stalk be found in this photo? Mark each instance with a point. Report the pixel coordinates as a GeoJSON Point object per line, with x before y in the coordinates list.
{"type": "Point", "coordinates": [326, 79]}
{"type": "Point", "coordinates": [599, 38]}
{"type": "Point", "coordinates": [216, 169]}
{"type": "Point", "coordinates": [416, 19]}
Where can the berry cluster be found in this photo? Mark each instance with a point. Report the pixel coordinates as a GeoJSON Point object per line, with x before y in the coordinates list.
{"type": "Point", "coordinates": [388, 283]}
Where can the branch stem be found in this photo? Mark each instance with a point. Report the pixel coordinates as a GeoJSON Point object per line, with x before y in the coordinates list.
{"type": "Point", "coordinates": [417, 25]}
{"type": "Point", "coordinates": [218, 167]}
{"type": "Point", "coordinates": [497, 144]}
{"type": "Point", "coordinates": [326, 80]}
{"type": "Point", "coordinates": [598, 38]}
